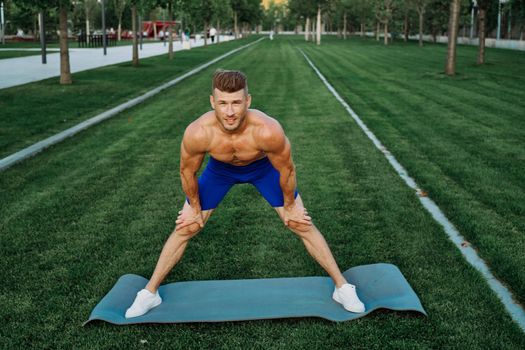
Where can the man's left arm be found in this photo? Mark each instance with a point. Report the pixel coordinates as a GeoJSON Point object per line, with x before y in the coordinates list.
{"type": "Point", "coordinates": [279, 151]}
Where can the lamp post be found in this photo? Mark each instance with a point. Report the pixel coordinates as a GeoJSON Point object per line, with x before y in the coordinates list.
{"type": "Point", "coordinates": [474, 6]}
{"type": "Point", "coordinates": [43, 36]}
{"type": "Point", "coordinates": [499, 18]}
{"type": "Point", "coordinates": [2, 22]}
{"type": "Point", "coordinates": [104, 35]}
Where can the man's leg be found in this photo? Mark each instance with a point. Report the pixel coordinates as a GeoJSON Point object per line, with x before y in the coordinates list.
{"type": "Point", "coordinates": [316, 245]}
{"type": "Point", "coordinates": [344, 293]}
{"type": "Point", "coordinates": [171, 254]}
{"type": "Point", "coordinates": [174, 249]}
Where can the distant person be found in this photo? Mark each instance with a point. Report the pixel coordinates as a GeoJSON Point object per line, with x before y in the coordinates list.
{"type": "Point", "coordinates": [161, 35]}
{"type": "Point", "coordinates": [213, 32]}
{"type": "Point", "coordinates": [245, 146]}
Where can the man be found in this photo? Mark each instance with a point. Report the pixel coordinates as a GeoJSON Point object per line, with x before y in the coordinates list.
{"type": "Point", "coordinates": [213, 32]}
{"type": "Point", "coordinates": [245, 146]}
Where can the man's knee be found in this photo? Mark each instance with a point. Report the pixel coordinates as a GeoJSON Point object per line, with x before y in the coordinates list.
{"type": "Point", "coordinates": [187, 232]}
{"type": "Point", "coordinates": [298, 228]}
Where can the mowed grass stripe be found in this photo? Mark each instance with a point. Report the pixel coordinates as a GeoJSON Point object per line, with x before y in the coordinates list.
{"type": "Point", "coordinates": [478, 185]}
{"type": "Point", "coordinates": [365, 211]}
{"type": "Point", "coordinates": [35, 111]}
{"type": "Point", "coordinates": [457, 130]}
{"type": "Point", "coordinates": [459, 133]}
{"type": "Point", "coordinates": [388, 67]}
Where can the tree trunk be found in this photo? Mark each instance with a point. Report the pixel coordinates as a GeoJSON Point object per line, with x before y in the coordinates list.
{"type": "Point", "coordinates": [405, 26]}
{"type": "Point", "coordinates": [119, 29]}
{"type": "Point", "coordinates": [235, 27]}
{"type": "Point", "coordinates": [205, 33]}
{"type": "Point", "coordinates": [182, 33]}
{"type": "Point", "coordinates": [87, 28]}
{"type": "Point", "coordinates": [385, 41]}
{"type": "Point", "coordinates": [36, 25]}
{"type": "Point", "coordinates": [362, 30]}
{"type": "Point", "coordinates": [318, 25]}
{"type": "Point", "coordinates": [307, 29]}
{"type": "Point", "coordinates": [481, 26]}
{"type": "Point", "coordinates": [377, 31]}
{"type": "Point", "coordinates": [135, 55]}
{"type": "Point", "coordinates": [65, 71]}
{"type": "Point", "coordinates": [421, 16]}
{"type": "Point", "coordinates": [344, 26]}
{"type": "Point", "coordinates": [154, 29]}
{"type": "Point", "coordinates": [170, 18]}
{"type": "Point", "coordinates": [87, 22]}
{"type": "Point", "coordinates": [218, 31]}
{"type": "Point", "coordinates": [453, 23]}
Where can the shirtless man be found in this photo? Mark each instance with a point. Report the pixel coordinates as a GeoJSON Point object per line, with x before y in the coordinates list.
{"type": "Point", "coordinates": [245, 146]}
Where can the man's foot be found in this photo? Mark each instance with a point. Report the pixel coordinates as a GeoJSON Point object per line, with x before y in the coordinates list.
{"type": "Point", "coordinates": [144, 302]}
{"type": "Point", "coordinates": [347, 296]}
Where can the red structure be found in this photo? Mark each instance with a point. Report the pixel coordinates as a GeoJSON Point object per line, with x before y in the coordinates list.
{"type": "Point", "coordinates": [149, 28]}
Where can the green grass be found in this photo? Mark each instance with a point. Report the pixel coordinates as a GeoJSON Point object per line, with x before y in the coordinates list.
{"type": "Point", "coordinates": [462, 138]}
{"type": "Point", "coordinates": [32, 112]}
{"type": "Point", "coordinates": [101, 204]}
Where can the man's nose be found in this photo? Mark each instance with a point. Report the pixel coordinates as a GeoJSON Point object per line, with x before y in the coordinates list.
{"type": "Point", "coordinates": [229, 110]}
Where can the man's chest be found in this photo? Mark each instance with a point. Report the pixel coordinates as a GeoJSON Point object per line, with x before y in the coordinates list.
{"type": "Point", "coordinates": [235, 150]}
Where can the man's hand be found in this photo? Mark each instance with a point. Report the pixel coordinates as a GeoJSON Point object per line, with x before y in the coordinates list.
{"type": "Point", "coordinates": [296, 213]}
{"type": "Point", "coordinates": [188, 217]}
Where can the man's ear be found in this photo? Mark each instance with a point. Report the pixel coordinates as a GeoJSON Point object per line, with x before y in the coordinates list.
{"type": "Point", "coordinates": [248, 101]}
{"type": "Point", "coordinates": [212, 101]}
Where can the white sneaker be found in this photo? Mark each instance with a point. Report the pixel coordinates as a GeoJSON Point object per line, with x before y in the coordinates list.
{"type": "Point", "coordinates": [347, 296]}
{"type": "Point", "coordinates": [144, 302]}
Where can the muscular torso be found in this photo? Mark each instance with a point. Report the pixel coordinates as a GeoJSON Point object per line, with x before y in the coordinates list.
{"type": "Point", "coordinates": [237, 148]}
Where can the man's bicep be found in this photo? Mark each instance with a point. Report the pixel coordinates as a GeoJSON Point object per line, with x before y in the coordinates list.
{"type": "Point", "coordinates": [281, 155]}
{"type": "Point", "coordinates": [190, 157]}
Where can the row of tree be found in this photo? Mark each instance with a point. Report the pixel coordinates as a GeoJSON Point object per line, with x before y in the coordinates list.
{"type": "Point", "coordinates": [391, 17]}
{"type": "Point", "coordinates": [239, 15]}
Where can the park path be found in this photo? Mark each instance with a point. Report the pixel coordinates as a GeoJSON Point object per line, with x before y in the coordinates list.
{"type": "Point", "coordinates": [22, 70]}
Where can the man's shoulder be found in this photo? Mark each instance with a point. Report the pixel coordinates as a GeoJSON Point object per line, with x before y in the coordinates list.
{"type": "Point", "coordinates": [264, 122]}
{"type": "Point", "coordinates": [198, 131]}
{"type": "Point", "coordinates": [267, 129]}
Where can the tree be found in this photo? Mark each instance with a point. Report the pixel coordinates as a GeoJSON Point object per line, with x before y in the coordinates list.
{"type": "Point", "coordinates": [304, 9]}
{"type": "Point", "coordinates": [63, 7]}
{"type": "Point", "coordinates": [420, 7]}
{"type": "Point", "coordinates": [384, 10]}
{"type": "Point", "coordinates": [120, 5]}
{"type": "Point", "coordinates": [450, 67]}
{"type": "Point", "coordinates": [222, 11]}
{"type": "Point", "coordinates": [89, 9]}
{"type": "Point", "coordinates": [134, 28]}
{"type": "Point", "coordinates": [363, 10]}
{"type": "Point", "coordinates": [201, 12]}
{"type": "Point", "coordinates": [437, 17]}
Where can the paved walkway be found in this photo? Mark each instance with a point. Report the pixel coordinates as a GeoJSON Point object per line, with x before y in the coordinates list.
{"type": "Point", "coordinates": [22, 70]}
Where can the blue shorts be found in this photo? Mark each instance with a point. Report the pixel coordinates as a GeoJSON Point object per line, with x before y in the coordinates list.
{"type": "Point", "coordinates": [218, 177]}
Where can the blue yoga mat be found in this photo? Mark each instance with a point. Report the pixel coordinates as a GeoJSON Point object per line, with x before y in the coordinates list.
{"type": "Point", "coordinates": [378, 286]}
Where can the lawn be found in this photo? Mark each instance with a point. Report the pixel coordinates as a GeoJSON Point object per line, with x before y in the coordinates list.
{"type": "Point", "coordinates": [101, 204]}
{"type": "Point", "coordinates": [462, 138]}
{"type": "Point", "coordinates": [32, 112]}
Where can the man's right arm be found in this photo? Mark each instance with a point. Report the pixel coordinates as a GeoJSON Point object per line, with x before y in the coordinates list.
{"type": "Point", "coordinates": [193, 150]}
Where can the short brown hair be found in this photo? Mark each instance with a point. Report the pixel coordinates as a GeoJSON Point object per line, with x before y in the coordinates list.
{"type": "Point", "coordinates": [229, 81]}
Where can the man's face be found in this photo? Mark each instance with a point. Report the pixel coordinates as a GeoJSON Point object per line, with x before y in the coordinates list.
{"type": "Point", "coordinates": [230, 108]}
